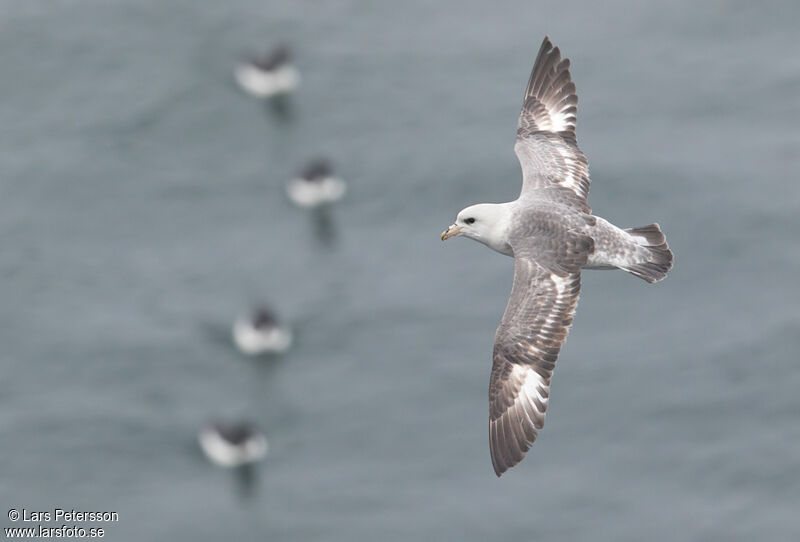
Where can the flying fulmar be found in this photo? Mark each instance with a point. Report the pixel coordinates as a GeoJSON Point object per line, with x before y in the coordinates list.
{"type": "Point", "coordinates": [551, 234]}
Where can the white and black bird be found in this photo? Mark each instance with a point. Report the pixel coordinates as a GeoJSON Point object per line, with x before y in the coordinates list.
{"type": "Point", "coordinates": [552, 235]}
{"type": "Point", "coordinates": [232, 444]}
{"type": "Point", "coordinates": [261, 333]}
{"type": "Point", "coordinates": [267, 76]}
{"type": "Point", "coordinates": [316, 186]}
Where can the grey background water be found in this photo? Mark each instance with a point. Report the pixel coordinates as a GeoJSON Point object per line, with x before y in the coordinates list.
{"type": "Point", "coordinates": [142, 208]}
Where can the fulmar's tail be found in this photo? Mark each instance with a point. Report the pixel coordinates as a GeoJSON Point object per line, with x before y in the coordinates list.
{"type": "Point", "coordinates": [659, 259]}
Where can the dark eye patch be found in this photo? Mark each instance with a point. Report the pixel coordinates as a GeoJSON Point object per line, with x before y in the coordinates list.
{"type": "Point", "coordinates": [470, 220]}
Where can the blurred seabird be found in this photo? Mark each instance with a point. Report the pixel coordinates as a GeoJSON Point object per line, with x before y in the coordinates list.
{"type": "Point", "coordinates": [261, 333]}
{"type": "Point", "coordinates": [267, 76]}
{"type": "Point", "coordinates": [233, 444]}
{"type": "Point", "coordinates": [315, 186]}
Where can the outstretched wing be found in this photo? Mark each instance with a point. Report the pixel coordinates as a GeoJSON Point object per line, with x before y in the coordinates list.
{"type": "Point", "coordinates": [527, 342]}
{"type": "Point", "coordinates": [553, 166]}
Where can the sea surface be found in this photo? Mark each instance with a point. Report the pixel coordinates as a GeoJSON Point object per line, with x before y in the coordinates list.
{"type": "Point", "coordinates": [142, 209]}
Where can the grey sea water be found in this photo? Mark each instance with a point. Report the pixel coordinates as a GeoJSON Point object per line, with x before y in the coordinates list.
{"type": "Point", "coordinates": [142, 209]}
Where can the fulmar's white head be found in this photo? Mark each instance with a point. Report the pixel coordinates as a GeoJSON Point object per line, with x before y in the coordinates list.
{"type": "Point", "coordinates": [487, 223]}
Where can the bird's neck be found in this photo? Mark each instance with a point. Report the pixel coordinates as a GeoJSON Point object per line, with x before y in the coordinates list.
{"type": "Point", "coordinates": [496, 237]}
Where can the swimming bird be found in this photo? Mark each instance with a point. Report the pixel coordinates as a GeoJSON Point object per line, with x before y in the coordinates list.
{"type": "Point", "coordinates": [316, 185]}
{"type": "Point", "coordinates": [261, 333]}
{"type": "Point", "coordinates": [552, 235]}
{"type": "Point", "coordinates": [232, 444]}
{"type": "Point", "coordinates": [267, 76]}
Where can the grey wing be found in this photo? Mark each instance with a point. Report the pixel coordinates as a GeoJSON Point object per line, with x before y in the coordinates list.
{"type": "Point", "coordinates": [552, 164]}
{"type": "Point", "coordinates": [527, 342]}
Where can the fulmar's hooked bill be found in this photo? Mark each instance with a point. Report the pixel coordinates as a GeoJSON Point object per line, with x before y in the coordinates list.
{"type": "Point", "coordinates": [551, 234]}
